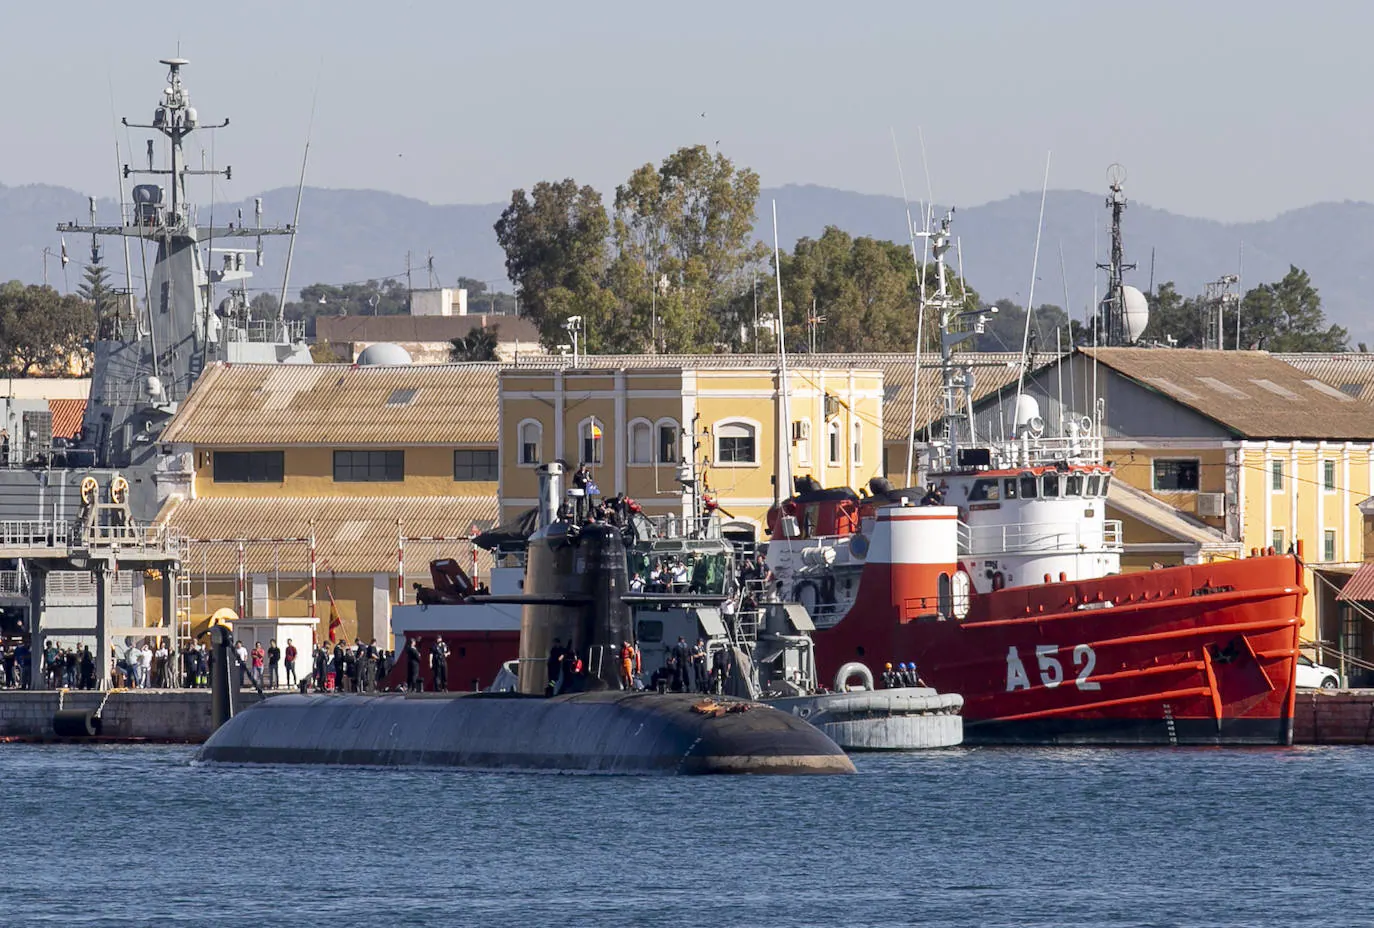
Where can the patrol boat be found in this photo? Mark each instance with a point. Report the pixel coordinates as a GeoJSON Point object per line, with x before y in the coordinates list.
{"type": "Point", "coordinates": [575, 591]}
{"type": "Point", "coordinates": [1008, 590]}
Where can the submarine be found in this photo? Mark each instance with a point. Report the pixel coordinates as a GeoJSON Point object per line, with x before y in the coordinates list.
{"type": "Point", "coordinates": [575, 591]}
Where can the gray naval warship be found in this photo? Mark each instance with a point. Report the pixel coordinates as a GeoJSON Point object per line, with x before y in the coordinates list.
{"type": "Point", "coordinates": [576, 591]}
{"type": "Point", "coordinates": [74, 512]}
{"type": "Point", "coordinates": [151, 355]}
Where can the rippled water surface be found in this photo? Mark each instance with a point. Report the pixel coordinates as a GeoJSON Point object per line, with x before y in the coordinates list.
{"type": "Point", "coordinates": [125, 835]}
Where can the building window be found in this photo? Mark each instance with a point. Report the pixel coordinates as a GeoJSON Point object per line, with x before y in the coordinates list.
{"type": "Point", "coordinates": [250, 466]}
{"type": "Point", "coordinates": [592, 440]}
{"type": "Point", "coordinates": [369, 466]}
{"type": "Point", "coordinates": [1276, 475]}
{"type": "Point", "coordinates": [1176, 474]}
{"type": "Point", "coordinates": [1276, 540]}
{"type": "Point", "coordinates": [474, 465]}
{"type": "Point", "coordinates": [801, 438]}
{"type": "Point", "coordinates": [858, 451]}
{"type": "Point", "coordinates": [669, 442]}
{"type": "Point", "coordinates": [835, 443]}
{"type": "Point", "coordinates": [1329, 476]}
{"type": "Point", "coordinates": [531, 439]}
{"type": "Point", "coordinates": [641, 442]}
{"type": "Point", "coordinates": [736, 443]}
{"type": "Point", "coordinates": [1329, 545]}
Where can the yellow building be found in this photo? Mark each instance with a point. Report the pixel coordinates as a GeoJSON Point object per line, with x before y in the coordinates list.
{"type": "Point", "coordinates": [642, 424]}
{"type": "Point", "coordinates": [1220, 453]}
{"type": "Point", "coordinates": [380, 466]}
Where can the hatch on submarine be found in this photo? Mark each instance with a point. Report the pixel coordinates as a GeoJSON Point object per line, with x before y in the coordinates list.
{"type": "Point", "coordinates": [576, 581]}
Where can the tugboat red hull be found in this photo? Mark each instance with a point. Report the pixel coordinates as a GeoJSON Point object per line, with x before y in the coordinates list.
{"type": "Point", "coordinates": [1201, 654]}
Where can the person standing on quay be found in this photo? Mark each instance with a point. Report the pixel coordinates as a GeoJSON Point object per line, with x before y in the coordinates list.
{"type": "Point", "coordinates": [290, 663]}
{"type": "Point", "coordinates": [273, 664]}
{"type": "Point", "coordinates": [412, 666]}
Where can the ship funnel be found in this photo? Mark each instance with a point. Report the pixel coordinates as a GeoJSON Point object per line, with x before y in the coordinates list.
{"type": "Point", "coordinates": [550, 492]}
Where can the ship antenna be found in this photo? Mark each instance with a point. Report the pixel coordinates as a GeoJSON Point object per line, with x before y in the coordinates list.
{"type": "Point", "coordinates": [1030, 299]}
{"type": "Point", "coordinates": [784, 438]}
{"type": "Point", "coordinates": [296, 217]}
{"type": "Point", "coordinates": [919, 265]}
{"type": "Point", "coordinates": [1114, 305]}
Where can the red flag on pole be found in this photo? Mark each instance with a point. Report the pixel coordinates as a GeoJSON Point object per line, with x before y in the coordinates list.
{"type": "Point", "coordinates": [335, 621]}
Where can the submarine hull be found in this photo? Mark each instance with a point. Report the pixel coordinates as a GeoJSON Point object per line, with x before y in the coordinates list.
{"type": "Point", "coordinates": [594, 732]}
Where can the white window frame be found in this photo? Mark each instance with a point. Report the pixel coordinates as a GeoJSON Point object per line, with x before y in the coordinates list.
{"type": "Point", "coordinates": [1331, 464]}
{"type": "Point", "coordinates": [1329, 545]}
{"type": "Point", "coordinates": [834, 443]}
{"type": "Point", "coordinates": [657, 439]}
{"type": "Point", "coordinates": [856, 430]}
{"type": "Point", "coordinates": [1276, 470]}
{"type": "Point", "coordinates": [1176, 459]}
{"type": "Point", "coordinates": [538, 442]}
{"type": "Point", "coordinates": [630, 457]}
{"type": "Point", "coordinates": [584, 435]}
{"type": "Point", "coordinates": [750, 424]}
{"type": "Point", "coordinates": [802, 429]}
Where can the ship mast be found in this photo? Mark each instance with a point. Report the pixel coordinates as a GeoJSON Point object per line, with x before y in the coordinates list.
{"type": "Point", "coordinates": [956, 326]}
{"type": "Point", "coordinates": [1113, 308]}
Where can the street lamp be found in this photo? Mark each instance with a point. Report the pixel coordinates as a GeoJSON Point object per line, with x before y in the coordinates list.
{"type": "Point", "coordinates": [574, 327]}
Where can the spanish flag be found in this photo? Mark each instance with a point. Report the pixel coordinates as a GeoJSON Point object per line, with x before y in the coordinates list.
{"type": "Point", "coordinates": [335, 620]}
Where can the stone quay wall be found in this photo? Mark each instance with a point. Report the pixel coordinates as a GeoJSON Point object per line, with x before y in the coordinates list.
{"type": "Point", "coordinates": [135, 715]}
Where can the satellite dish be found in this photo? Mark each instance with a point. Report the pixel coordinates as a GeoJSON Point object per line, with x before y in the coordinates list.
{"type": "Point", "coordinates": [1135, 312]}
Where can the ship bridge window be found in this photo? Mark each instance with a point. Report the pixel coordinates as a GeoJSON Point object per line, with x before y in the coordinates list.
{"type": "Point", "coordinates": [985, 491]}
{"type": "Point", "coordinates": [1028, 486]}
{"type": "Point", "coordinates": [1009, 488]}
{"type": "Point", "coordinates": [1093, 483]}
{"type": "Point", "coordinates": [1073, 485]}
{"type": "Point", "coordinates": [1106, 484]}
{"type": "Point", "coordinates": [1050, 484]}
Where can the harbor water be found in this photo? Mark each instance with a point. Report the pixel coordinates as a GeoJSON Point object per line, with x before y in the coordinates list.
{"type": "Point", "coordinates": [119, 835]}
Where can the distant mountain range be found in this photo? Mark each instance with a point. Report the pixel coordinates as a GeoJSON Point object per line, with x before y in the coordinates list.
{"type": "Point", "coordinates": [354, 235]}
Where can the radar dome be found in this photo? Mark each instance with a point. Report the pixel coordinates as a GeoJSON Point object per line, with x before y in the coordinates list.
{"type": "Point", "coordinates": [1136, 312]}
{"type": "Point", "coordinates": [383, 354]}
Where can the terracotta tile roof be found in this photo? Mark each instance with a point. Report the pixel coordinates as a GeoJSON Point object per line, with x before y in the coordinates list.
{"type": "Point", "coordinates": [1351, 372]}
{"type": "Point", "coordinates": [1252, 393]}
{"type": "Point", "coordinates": [1360, 586]}
{"type": "Point", "coordinates": [329, 404]}
{"type": "Point", "coordinates": [353, 535]}
{"type": "Point", "coordinates": [992, 371]}
{"type": "Point", "coordinates": [420, 328]}
{"type": "Point", "coordinates": [66, 416]}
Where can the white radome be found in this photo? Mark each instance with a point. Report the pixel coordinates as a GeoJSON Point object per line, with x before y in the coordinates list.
{"type": "Point", "coordinates": [1136, 312]}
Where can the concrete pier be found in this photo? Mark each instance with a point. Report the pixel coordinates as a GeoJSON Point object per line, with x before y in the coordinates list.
{"type": "Point", "coordinates": [180, 716]}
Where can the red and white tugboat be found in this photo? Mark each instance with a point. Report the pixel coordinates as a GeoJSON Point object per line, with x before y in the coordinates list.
{"type": "Point", "coordinates": [1005, 587]}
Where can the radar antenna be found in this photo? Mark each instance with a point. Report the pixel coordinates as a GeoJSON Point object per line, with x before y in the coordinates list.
{"type": "Point", "coordinates": [1113, 308]}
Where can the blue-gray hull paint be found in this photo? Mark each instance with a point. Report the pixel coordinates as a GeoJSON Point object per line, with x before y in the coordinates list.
{"type": "Point", "coordinates": [602, 732]}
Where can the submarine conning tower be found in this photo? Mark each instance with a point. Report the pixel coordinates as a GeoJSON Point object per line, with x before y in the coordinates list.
{"type": "Point", "coordinates": [578, 575]}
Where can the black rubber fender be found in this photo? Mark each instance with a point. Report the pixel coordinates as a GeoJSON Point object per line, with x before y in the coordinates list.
{"type": "Point", "coordinates": [76, 723]}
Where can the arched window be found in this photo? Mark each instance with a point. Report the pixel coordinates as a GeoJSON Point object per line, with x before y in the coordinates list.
{"type": "Point", "coordinates": [736, 442]}
{"type": "Point", "coordinates": [531, 438]}
{"type": "Point", "coordinates": [858, 452]}
{"type": "Point", "coordinates": [641, 442]}
{"type": "Point", "coordinates": [836, 443]}
{"type": "Point", "coordinates": [669, 442]}
{"type": "Point", "coordinates": [591, 437]}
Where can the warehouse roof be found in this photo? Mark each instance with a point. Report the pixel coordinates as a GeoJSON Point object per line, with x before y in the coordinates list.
{"type": "Point", "coordinates": [327, 404]}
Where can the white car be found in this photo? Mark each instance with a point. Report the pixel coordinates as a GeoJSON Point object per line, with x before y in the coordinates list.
{"type": "Point", "coordinates": [1312, 675]}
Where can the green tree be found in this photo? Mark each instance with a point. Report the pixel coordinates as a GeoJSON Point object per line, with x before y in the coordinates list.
{"type": "Point", "coordinates": [41, 329]}
{"type": "Point", "coordinates": [685, 249]}
{"type": "Point", "coordinates": [1287, 316]}
{"type": "Point", "coordinates": [478, 345]}
{"type": "Point", "coordinates": [555, 243]}
{"type": "Point", "coordinates": [1175, 320]}
{"type": "Point", "coordinates": [265, 305]}
{"type": "Point", "coordinates": [105, 302]}
{"type": "Point", "coordinates": [1005, 330]}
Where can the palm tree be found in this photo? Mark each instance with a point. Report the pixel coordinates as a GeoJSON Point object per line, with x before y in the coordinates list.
{"type": "Point", "coordinates": [478, 345]}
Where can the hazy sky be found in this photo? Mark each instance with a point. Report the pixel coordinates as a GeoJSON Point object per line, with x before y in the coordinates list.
{"type": "Point", "coordinates": [1227, 110]}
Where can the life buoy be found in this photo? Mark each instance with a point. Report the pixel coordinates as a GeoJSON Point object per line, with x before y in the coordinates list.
{"type": "Point", "coordinates": [998, 581]}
